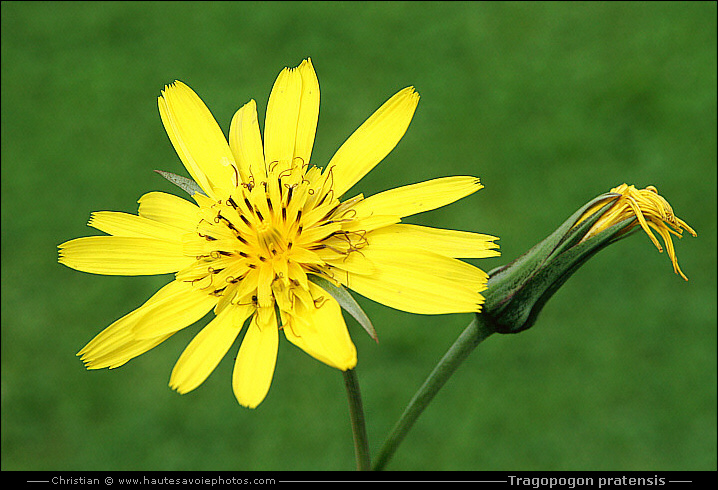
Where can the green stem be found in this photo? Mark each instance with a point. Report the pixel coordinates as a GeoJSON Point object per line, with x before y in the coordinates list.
{"type": "Point", "coordinates": [356, 413]}
{"type": "Point", "coordinates": [478, 330]}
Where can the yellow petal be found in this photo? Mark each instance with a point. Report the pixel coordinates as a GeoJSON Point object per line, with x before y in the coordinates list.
{"type": "Point", "coordinates": [126, 256]}
{"type": "Point", "coordinates": [650, 209]}
{"type": "Point", "coordinates": [119, 342]}
{"type": "Point", "coordinates": [206, 350]}
{"type": "Point", "coordinates": [417, 198]}
{"type": "Point", "coordinates": [451, 243]}
{"type": "Point", "coordinates": [256, 359]}
{"type": "Point", "coordinates": [245, 140]}
{"type": "Point", "coordinates": [317, 233]}
{"type": "Point", "coordinates": [280, 125]}
{"type": "Point", "coordinates": [129, 225]}
{"type": "Point", "coordinates": [169, 209]}
{"type": "Point", "coordinates": [296, 273]}
{"type": "Point", "coordinates": [419, 281]}
{"type": "Point", "coordinates": [373, 141]}
{"type": "Point", "coordinates": [304, 256]}
{"type": "Point", "coordinates": [355, 261]}
{"type": "Point", "coordinates": [102, 350]}
{"type": "Point", "coordinates": [368, 223]}
{"type": "Point", "coordinates": [123, 353]}
{"type": "Point", "coordinates": [320, 331]}
{"type": "Point", "coordinates": [308, 113]}
{"type": "Point", "coordinates": [174, 307]}
{"type": "Point", "coordinates": [264, 285]}
{"type": "Point", "coordinates": [197, 138]}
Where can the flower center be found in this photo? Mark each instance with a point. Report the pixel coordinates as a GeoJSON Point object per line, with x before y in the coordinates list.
{"type": "Point", "coordinates": [271, 240]}
{"type": "Point", "coordinates": [259, 242]}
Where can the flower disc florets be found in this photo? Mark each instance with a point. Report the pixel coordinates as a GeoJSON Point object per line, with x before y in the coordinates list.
{"type": "Point", "coordinates": [257, 244]}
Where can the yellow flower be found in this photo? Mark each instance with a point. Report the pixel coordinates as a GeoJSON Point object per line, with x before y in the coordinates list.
{"type": "Point", "coordinates": [650, 210]}
{"type": "Point", "coordinates": [265, 224]}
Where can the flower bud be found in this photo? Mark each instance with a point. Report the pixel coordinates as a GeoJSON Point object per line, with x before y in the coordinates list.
{"type": "Point", "coordinates": [517, 291]}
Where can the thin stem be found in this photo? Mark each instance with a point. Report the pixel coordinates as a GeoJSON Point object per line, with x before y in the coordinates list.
{"type": "Point", "coordinates": [356, 413]}
{"type": "Point", "coordinates": [478, 330]}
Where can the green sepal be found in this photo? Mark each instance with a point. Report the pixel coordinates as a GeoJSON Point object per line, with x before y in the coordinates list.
{"type": "Point", "coordinates": [347, 302]}
{"type": "Point", "coordinates": [188, 185]}
{"type": "Point", "coordinates": [518, 291]}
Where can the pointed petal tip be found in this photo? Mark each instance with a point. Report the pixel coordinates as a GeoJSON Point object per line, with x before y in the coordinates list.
{"type": "Point", "coordinates": [307, 67]}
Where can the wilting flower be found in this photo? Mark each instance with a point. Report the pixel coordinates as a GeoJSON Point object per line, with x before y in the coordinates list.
{"type": "Point", "coordinates": [266, 230]}
{"type": "Point", "coordinates": [651, 210]}
{"type": "Point", "coordinates": [519, 290]}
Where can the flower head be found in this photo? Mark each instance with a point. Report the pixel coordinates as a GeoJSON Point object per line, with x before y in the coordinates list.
{"type": "Point", "coordinates": [644, 207]}
{"type": "Point", "coordinates": [519, 290]}
{"type": "Point", "coordinates": [266, 230]}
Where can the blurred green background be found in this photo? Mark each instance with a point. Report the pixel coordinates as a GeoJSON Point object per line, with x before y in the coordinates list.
{"type": "Point", "coordinates": [550, 104]}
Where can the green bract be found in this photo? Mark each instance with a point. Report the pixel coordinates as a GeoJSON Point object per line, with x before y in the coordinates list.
{"type": "Point", "coordinates": [518, 291]}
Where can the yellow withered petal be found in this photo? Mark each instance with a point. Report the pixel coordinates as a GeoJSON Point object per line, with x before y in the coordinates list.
{"type": "Point", "coordinates": [169, 209]}
{"type": "Point", "coordinates": [373, 141]}
{"type": "Point", "coordinates": [206, 349]}
{"type": "Point", "coordinates": [197, 138]}
{"type": "Point", "coordinates": [254, 368]}
{"type": "Point", "coordinates": [130, 225]}
{"type": "Point", "coordinates": [650, 210]}
{"type": "Point", "coordinates": [245, 141]}
{"type": "Point", "coordinates": [319, 330]}
{"type": "Point", "coordinates": [111, 255]}
{"type": "Point", "coordinates": [280, 125]}
{"type": "Point", "coordinates": [451, 243]}
{"type": "Point", "coordinates": [417, 198]}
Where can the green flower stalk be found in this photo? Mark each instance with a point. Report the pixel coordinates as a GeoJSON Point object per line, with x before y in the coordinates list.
{"type": "Point", "coordinates": [518, 291]}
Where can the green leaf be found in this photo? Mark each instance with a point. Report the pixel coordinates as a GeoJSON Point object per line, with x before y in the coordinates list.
{"type": "Point", "coordinates": [347, 302]}
{"type": "Point", "coordinates": [188, 185]}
